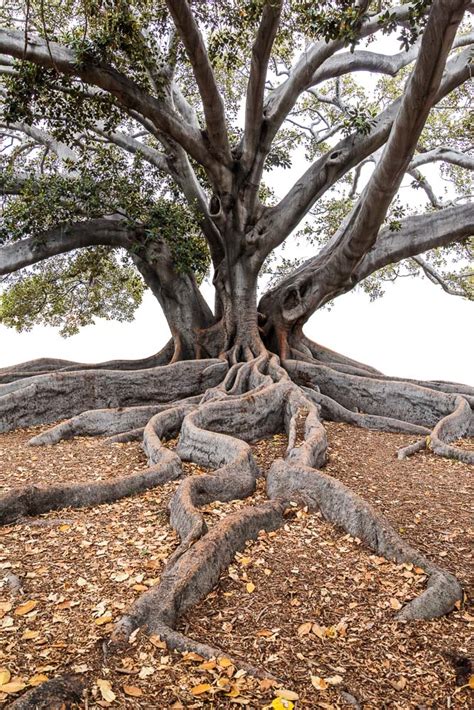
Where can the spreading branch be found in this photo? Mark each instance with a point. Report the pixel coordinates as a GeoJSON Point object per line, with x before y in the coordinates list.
{"type": "Point", "coordinates": [212, 102]}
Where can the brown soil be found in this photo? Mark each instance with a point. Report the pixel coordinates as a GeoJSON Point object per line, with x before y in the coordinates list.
{"type": "Point", "coordinates": [308, 603]}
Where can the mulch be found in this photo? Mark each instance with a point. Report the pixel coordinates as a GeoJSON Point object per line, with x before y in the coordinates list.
{"type": "Point", "coordinates": [308, 603]}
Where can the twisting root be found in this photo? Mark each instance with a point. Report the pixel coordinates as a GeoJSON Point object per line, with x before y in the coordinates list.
{"type": "Point", "coordinates": [60, 395]}
{"type": "Point", "coordinates": [453, 426]}
{"type": "Point", "coordinates": [165, 466]}
{"type": "Point", "coordinates": [254, 399]}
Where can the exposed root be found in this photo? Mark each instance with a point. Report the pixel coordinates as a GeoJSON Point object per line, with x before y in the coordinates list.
{"type": "Point", "coordinates": [333, 411]}
{"type": "Point", "coordinates": [236, 405]}
{"type": "Point", "coordinates": [342, 507]}
{"type": "Point", "coordinates": [43, 366]}
{"type": "Point", "coordinates": [105, 422]}
{"type": "Point", "coordinates": [61, 395]}
{"type": "Point", "coordinates": [165, 466]}
{"type": "Point", "coordinates": [193, 575]}
{"type": "Point", "coordinates": [453, 426]}
{"type": "Point", "coordinates": [55, 694]}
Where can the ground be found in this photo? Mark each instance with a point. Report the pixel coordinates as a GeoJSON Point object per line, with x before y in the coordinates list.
{"type": "Point", "coordinates": [308, 603]}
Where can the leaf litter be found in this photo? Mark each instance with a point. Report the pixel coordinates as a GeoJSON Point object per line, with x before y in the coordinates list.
{"type": "Point", "coordinates": [308, 603]}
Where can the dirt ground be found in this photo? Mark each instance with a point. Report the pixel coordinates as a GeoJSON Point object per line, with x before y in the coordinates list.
{"type": "Point", "coordinates": [308, 603]}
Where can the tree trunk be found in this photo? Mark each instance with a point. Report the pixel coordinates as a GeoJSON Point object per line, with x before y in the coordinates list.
{"type": "Point", "coordinates": [185, 309]}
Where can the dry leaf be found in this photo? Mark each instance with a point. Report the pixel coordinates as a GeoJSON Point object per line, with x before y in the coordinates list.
{"type": "Point", "coordinates": [224, 662]}
{"type": "Point", "coordinates": [145, 671]}
{"type": "Point", "coordinates": [334, 679]}
{"type": "Point", "coordinates": [399, 684]}
{"type": "Point", "coordinates": [191, 656]}
{"type": "Point", "coordinates": [319, 631]}
{"type": "Point", "coordinates": [14, 687]}
{"type": "Point", "coordinates": [305, 628]}
{"type": "Point", "coordinates": [106, 691]}
{"type": "Point", "coordinates": [395, 604]}
{"type": "Point", "coordinates": [201, 688]}
{"type": "Point", "coordinates": [471, 682]}
{"type": "Point", "coordinates": [5, 676]}
{"type": "Point", "coordinates": [25, 608]}
{"type": "Point", "coordinates": [286, 694]}
{"type": "Point", "coordinates": [250, 586]}
{"type": "Point", "coordinates": [133, 691]}
{"type": "Point", "coordinates": [104, 619]}
{"type": "Point", "coordinates": [319, 683]}
{"type": "Point", "coordinates": [37, 679]}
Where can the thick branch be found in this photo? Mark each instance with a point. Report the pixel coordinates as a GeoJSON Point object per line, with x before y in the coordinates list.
{"type": "Point", "coordinates": [63, 239]}
{"type": "Point", "coordinates": [258, 73]}
{"type": "Point", "coordinates": [213, 104]}
{"type": "Point", "coordinates": [289, 305]}
{"type": "Point", "coordinates": [128, 94]}
{"type": "Point", "coordinates": [445, 155]}
{"type": "Point", "coordinates": [278, 222]}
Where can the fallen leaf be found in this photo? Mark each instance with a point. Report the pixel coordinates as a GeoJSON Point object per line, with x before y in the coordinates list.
{"type": "Point", "coordinates": [224, 662]}
{"type": "Point", "coordinates": [319, 683]}
{"type": "Point", "coordinates": [37, 679]}
{"type": "Point", "coordinates": [395, 604]}
{"type": "Point", "coordinates": [334, 679]}
{"type": "Point", "coordinates": [286, 694]}
{"type": "Point", "coordinates": [145, 671]}
{"type": "Point", "coordinates": [13, 687]}
{"type": "Point", "coordinates": [133, 691]}
{"type": "Point", "coordinates": [5, 676]}
{"type": "Point", "coordinates": [201, 688]}
{"type": "Point", "coordinates": [305, 628]}
{"type": "Point", "coordinates": [399, 684]}
{"type": "Point", "coordinates": [250, 586]}
{"type": "Point", "coordinates": [25, 608]}
{"type": "Point", "coordinates": [282, 704]}
{"type": "Point", "coordinates": [106, 691]}
{"type": "Point", "coordinates": [104, 619]}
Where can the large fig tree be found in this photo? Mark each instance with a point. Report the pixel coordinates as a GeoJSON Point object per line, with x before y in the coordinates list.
{"type": "Point", "coordinates": [138, 141]}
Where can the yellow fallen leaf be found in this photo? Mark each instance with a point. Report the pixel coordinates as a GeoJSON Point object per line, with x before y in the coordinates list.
{"type": "Point", "coordinates": [250, 587]}
{"type": "Point", "coordinates": [104, 619]}
{"type": "Point", "coordinates": [106, 691]}
{"type": "Point", "coordinates": [224, 662]}
{"type": "Point", "coordinates": [191, 656]}
{"type": "Point", "coordinates": [319, 683]}
{"type": "Point", "coordinates": [282, 704]}
{"type": "Point", "coordinates": [37, 679]}
{"type": "Point", "coordinates": [14, 687]}
{"type": "Point", "coordinates": [133, 691]}
{"type": "Point", "coordinates": [25, 608]}
{"type": "Point", "coordinates": [201, 688]}
{"type": "Point", "coordinates": [64, 528]}
{"type": "Point", "coordinates": [207, 666]}
{"type": "Point", "coordinates": [471, 682]}
{"type": "Point", "coordinates": [286, 694]}
{"type": "Point", "coordinates": [305, 628]}
{"type": "Point", "coordinates": [245, 561]}
{"type": "Point", "coordinates": [395, 604]}
{"type": "Point", "coordinates": [5, 676]}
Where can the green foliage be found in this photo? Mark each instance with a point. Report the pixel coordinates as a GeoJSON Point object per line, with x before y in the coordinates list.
{"type": "Point", "coordinates": [69, 292]}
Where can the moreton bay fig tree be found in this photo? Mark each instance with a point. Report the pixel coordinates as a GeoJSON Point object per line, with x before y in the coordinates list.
{"type": "Point", "coordinates": [138, 144]}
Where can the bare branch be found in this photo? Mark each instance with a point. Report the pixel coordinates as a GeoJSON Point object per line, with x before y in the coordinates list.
{"type": "Point", "coordinates": [258, 72]}
{"type": "Point", "coordinates": [278, 222]}
{"type": "Point", "coordinates": [62, 239]}
{"type": "Point", "coordinates": [445, 155]}
{"type": "Point", "coordinates": [435, 277]}
{"type": "Point", "coordinates": [213, 104]}
{"type": "Point", "coordinates": [128, 94]}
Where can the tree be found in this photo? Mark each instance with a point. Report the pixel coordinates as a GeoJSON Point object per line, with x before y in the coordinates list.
{"type": "Point", "coordinates": [124, 118]}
